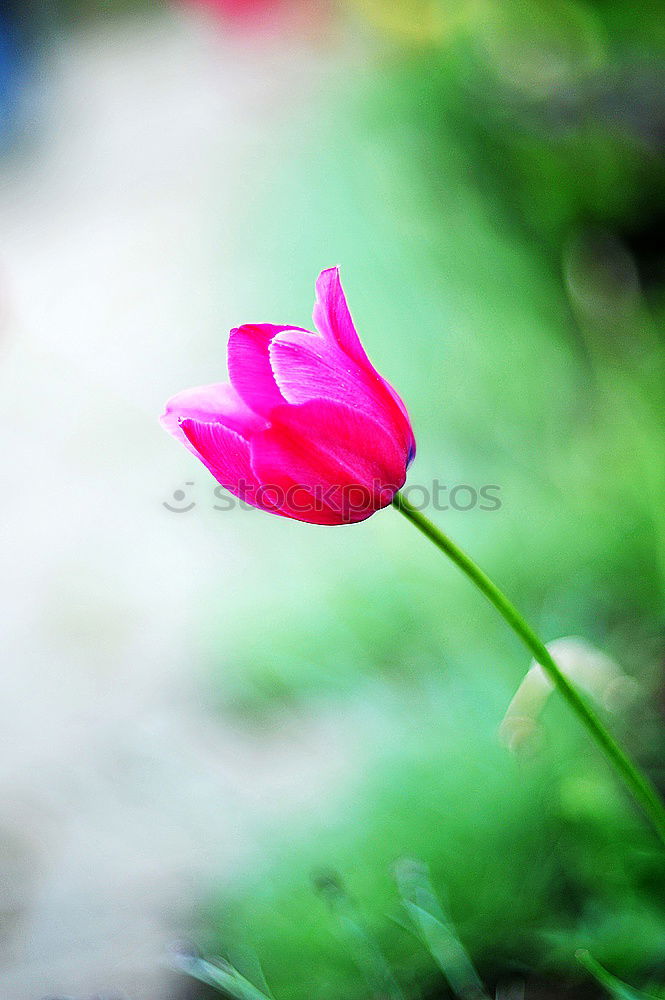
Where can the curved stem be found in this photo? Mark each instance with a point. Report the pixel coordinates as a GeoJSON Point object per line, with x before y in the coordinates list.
{"type": "Point", "coordinates": [638, 783]}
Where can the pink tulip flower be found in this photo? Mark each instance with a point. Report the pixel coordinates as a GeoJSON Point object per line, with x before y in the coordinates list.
{"type": "Point", "coordinates": [306, 427]}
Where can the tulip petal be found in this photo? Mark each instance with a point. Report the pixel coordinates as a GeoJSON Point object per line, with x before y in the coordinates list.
{"type": "Point", "coordinates": [226, 454]}
{"type": "Point", "coordinates": [307, 366]}
{"type": "Point", "coordinates": [333, 320]}
{"type": "Point", "coordinates": [333, 464]}
{"type": "Point", "coordinates": [217, 403]}
{"type": "Point", "coordinates": [249, 365]}
{"type": "Point", "coordinates": [332, 317]}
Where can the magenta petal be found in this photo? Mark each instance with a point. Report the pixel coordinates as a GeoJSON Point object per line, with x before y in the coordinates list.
{"type": "Point", "coordinates": [218, 403]}
{"type": "Point", "coordinates": [307, 367]}
{"type": "Point", "coordinates": [332, 464]}
{"type": "Point", "coordinates": [226, 454]}
{"type": "Point", "coordinates": [249, 365]}
{"type": "Point", "coordinates": [332, 317]}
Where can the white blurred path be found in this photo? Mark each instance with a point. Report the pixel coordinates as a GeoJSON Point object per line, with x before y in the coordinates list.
{"type": "Point", "coordinates": [121, 792]}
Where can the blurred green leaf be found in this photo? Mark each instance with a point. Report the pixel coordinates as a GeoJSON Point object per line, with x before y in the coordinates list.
{"type": "Point", "coordinates": [220, 975]}
{"type": "Point", "coordinates": [614, 986]}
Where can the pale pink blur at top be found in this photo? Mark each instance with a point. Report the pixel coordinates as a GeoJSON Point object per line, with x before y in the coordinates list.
{"type": "Point", "coordinates": [237, 8]}
{"type": "Point", "coordinates": [282, 16]}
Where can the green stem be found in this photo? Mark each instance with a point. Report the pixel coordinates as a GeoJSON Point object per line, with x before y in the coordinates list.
{"type": "Point", "coordinates": [640, 786]}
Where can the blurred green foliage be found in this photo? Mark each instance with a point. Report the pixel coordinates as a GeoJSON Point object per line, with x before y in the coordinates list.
{"type": "Point", "coordinates": [534, 858]}
{"type": "Point", "coordinates": [534, 370]}
{"type": "Point", "coordinates": [491, 177]}
{"type": "Point", "coordinates": [485, 192]}
{"type": "Point", "coordinates": [79, 11]}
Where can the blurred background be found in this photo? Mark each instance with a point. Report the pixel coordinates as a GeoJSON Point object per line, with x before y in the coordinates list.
{"type": "Point", "coordinates": [282, 744]}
